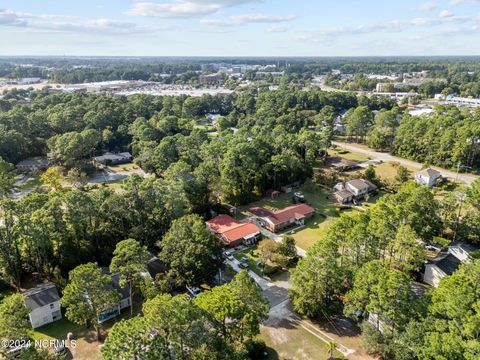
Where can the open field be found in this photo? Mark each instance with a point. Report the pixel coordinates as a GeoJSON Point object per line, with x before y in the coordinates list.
{"type": "Point", "coordinates": [289, 336]}
{"type": "Point", "coordinates": [38, 86]}
{"type": "Point", "coordinates": [347, 154]}
{"type": "Point", "coordinates": [388, 170]}
{"type": "Point", "coordinates": [312, 233]}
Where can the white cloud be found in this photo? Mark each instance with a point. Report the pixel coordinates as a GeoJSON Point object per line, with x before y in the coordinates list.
{"type": "Point", "coordinates": [459, 2]}
{"type": "Point", "coordinates": [277, 28]}
{"type": "Point", "coordinates": [426, 6]}
{"type": "Point", "coordinates": [182, 8]}
{"type": "Point", "coordinates": [446, 14]}
{"type": "Point", "coordinates": [237, 20]}
{"type": "Point", "coordinates": [392, 26]}
{"type": "Point", "coordinates": [60, 23]}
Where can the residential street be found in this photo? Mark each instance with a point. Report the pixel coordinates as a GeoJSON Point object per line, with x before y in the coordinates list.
{"type": "Point", "coordinates": [281, 310]}
{"type": "Point", "coordinates": [466, 178]}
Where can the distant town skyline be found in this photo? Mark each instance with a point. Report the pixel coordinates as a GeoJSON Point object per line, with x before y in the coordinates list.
{"type": "Point", "coordinates": [240, 28]}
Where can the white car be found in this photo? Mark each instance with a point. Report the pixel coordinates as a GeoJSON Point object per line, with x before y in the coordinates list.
{"type": "Point", "coordinates": [193, 290]}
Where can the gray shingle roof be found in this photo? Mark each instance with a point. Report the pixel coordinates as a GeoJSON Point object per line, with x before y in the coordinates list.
{"type": "Point", "coordinates": [41, 295]}
{"type": "Point", "coordinates": [429, 172]}
{"type": "Point", "coordinates": [449, 264]}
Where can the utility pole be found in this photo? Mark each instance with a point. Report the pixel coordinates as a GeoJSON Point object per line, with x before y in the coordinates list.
{"type": "Point", "coordinates": [457, 221]}
{"type": "Point", "coordinates": [458, 170]}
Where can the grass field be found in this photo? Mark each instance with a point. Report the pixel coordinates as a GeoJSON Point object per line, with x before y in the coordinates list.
{"type": "Point", "coordinates": [388, 170]}
{"type": "Point", "coordinates": [313, 232]}
{"type": "Point", "coordinates": [316, 197]}
{"type": "Point", "coordinates": [87, 347]}
{"type": "Point", "coordinates": [293, 343]}
{"type": "Point", "coordinates": [346, 154]}
{"type": "Point", "coordinates": [316, 227]}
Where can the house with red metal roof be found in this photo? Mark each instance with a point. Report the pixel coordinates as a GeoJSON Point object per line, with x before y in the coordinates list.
{"type": "Point", "coordinates": [276, 220]}
{"type": "Point", "coordinates": [233, 232]}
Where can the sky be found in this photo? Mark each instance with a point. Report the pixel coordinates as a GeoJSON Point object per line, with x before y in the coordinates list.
{"type": "Point", "coordinates": [239, 27]}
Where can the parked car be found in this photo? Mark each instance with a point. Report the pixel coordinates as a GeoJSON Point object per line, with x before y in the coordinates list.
{"type": "Point", "coordinates": [243, 259]}
{"type": "Point", "coordinates": [193, 291]}
{"type": "Point", "coordinates": [298, 197]}
{"type": "Point", "coordinates": [243, 265]}
{"type": "Point", "coordinates": [230, 257]}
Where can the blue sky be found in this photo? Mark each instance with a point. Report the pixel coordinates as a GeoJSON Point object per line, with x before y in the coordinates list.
{"type": "Point", "coordinates": [239, 27]}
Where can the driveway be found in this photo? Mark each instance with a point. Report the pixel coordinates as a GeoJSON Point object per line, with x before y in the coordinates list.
{"type": "Point", "coordinates": [466, 178]}
{"type": "Point", "coordinates": [281, 311]}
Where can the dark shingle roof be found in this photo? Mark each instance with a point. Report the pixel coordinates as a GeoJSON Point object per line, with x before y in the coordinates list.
{"type": "Point", "coordinates": [40, 296]}
{"type": "Point", "coordinates": [156, 266]}
{"type": "Point", "coordinates": [449, 264]}
{"type": "Point", "coordinates": [116, 283]}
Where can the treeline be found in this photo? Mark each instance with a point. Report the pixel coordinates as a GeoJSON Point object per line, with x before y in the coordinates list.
{"type": "Point", "coordinates": [366, 265]}
{"type": "Point", "coordinates": [51, 233]}
{"type": "Point", "coordinates": [446, 138]}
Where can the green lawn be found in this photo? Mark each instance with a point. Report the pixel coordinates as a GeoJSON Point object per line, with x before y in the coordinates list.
{"type": "Point", "coordinates": [316, 227]}
{"type": "Point", "coordinates": [208, 128]}
{"type": "Point", "coordinates": [56, 330]}
{"type": "Point", "coordinates": [346, 154]}
{"type": "Point", "coordinates": [123, 167]}
{"type": "Point", "coordinates": [316, 197]}
{"type": "Point", "coordinates": [286, 339]}
{"type": "Point", "coordinates": [388, 170]}
{"type": "Point", "coordinates": [313, 232]}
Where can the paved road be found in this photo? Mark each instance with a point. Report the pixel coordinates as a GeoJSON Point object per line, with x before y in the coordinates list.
{"type": "Point", "coordinates": [281, 309]}
{"type": "Point", "coordinates": [466, 178]}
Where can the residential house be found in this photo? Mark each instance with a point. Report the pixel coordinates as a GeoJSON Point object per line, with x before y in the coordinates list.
{"type": "Point", "coordinates": [232, 232]}
{"type": "Point", "coordinates": [463, 251]}
{"type": "Point", "coordinates": [125, 301]}
{"type": "Point", "coordinates": [351, 190]}
{"type": "Point", "coordinates": [341, 164]}
{"type": "Point", "coordinates": [276, 220]}
{"type": "Point", "coordinates": [443, 265]}
{"type": "Point", "coordinates": [448, 262]}
{"type": "Point", "coordinates": [113, 158]}
{"type": "Point", "coordinates": [359, 187]}
{"type": "Point", "coordinates": [43, 304]}
{"type": "Point", "coordinates": [428, 177]}
{"type": "Point", "coordinates": [343, 196]}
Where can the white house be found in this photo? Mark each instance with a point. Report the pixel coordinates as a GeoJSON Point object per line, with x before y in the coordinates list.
{"type": "Point", "coordinates": [359, 187]}
{"type": "Point", "coordinates": [448, 262]}
{"type": "Point", "coordinates": [428, 177]}
{"type": "Point", "coordinates": [444, 265]}
{"type": "Point", "coordinates": [43, 304]}
{"type": "Point", "coordinates": [125, 302]}
{"type": "Point", "coordinates": [463, 251]}
{"type": "Point", "coordinates": [346, 192]}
